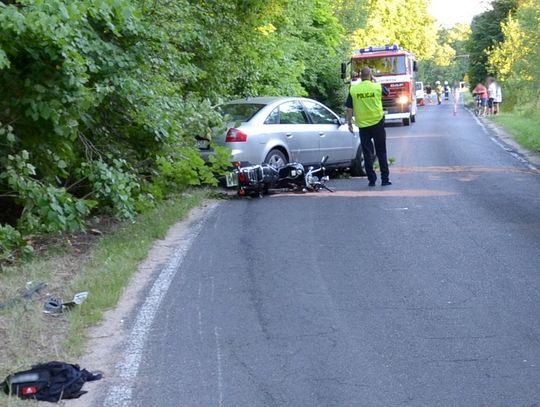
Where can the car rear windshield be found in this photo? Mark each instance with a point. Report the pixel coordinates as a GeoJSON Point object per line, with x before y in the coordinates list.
{"type": "Point", "coordinates": [242, 112]}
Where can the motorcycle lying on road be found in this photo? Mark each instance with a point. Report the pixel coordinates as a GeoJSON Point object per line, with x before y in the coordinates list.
{"type": "Point", "coordinates": [256, 180]}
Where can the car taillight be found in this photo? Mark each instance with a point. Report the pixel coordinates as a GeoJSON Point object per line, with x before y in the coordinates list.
{"type": "Point", "coordinates": [242, 177]}
{"type": "Point", "coordinates": [28, 390]}
{"type": "Point", "coordinates": [235, 135]}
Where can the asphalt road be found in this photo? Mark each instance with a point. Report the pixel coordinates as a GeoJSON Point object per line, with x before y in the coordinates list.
{"type": "Point", "coordinates": [424, 293]}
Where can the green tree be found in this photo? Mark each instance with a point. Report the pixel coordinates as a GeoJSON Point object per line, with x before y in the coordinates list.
{"type": "Point", "coordinates": [406, 23]}
{"type": "Point", "coordinates": [101, 99]}
{"type": "Point", "coordinates": [516, 59]}
{"type": "Point", "coordinates": [57, 69]}
{"type": "Point", "coordinates": [348, 15]}
{"type": "Point", "coordinates": [486, 34]}
{"type": "Point", "coordinates": [92, 96]}
{"type": "Point", "coordinates": [450, 59]}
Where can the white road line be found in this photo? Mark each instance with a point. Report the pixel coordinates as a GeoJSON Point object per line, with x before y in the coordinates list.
{"type": "Point", "coordinates": [199, 313]}
{"type": "Point", "coordinates": [512, 153]}
{"type": "Point", "coordinates": [497, 142]}
{"type": "Point", "coordinates": [219, 367]}
{"type": "Point", "coordinates": [485, 130]}
{"type": "Point", "coordinates": [120, 393]}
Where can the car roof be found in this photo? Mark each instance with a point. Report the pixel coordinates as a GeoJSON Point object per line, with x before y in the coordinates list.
{"type": "Point", "coordinates": [268, 104]}
{"type": "Point", "coordinates": [263, 100]}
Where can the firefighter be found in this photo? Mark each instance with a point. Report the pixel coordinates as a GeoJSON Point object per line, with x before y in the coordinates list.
{"type": "Point", "coordinates": [365, 102]}
{"type": "Point", "coordinates": [438, 90]}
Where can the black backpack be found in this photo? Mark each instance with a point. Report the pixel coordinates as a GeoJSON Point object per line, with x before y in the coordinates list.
{"type": "Point", "coordinates": [50, 381]}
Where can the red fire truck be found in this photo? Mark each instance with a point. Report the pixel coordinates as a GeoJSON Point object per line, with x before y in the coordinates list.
{"type": "Point", "coordinates": [393, 67]}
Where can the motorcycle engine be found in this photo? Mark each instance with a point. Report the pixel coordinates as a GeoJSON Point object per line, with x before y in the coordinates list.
{"type": "Point", "coordinates": [291, 171]}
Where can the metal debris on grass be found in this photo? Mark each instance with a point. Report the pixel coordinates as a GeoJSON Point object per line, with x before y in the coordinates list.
{"type": "Point", "coordinates": [55, 305]}
{"type": "Point", "coordinates": [31, 289]}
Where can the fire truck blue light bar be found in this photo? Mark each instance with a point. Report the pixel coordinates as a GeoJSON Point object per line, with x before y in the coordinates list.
{"type": "Point", "coordinates": [393, 47]}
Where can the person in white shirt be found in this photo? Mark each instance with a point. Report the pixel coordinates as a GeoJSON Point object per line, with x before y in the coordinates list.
{"type": "Point", "coordinates": [492, 90]}
{"type": "Point", "coordinates": [498, 99]}
{"type": "Point", "coordinates": [456, 94]}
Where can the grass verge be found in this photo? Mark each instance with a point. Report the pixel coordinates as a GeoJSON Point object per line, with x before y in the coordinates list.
{"type": "Point", "coordinates": [522, 126]}
{"type": "Point", "coordinates": [523, 129]}
{"type": "Point", "coordinates": [101, 264]}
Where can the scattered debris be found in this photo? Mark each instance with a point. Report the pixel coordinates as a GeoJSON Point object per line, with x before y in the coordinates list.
{"type": "Point", "coordinates": [55, 305]}
{"type": "Point", "coordinates": [31, 289]}
{"type": "Point", "coordinates": [49, 381]}
{"type": "Point", "coordinates": [77, 299]}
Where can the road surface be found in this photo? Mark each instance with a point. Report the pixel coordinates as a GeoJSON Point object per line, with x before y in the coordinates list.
{"type": "Point", "coordinates": [424, 293]}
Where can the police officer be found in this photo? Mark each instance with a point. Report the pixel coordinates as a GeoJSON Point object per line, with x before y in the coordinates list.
{"type": "Point", "coordinates": [365, 102]}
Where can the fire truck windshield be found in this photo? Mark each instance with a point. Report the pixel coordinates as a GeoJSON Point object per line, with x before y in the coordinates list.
{"type": "Point", "coordinates": [392, 65]}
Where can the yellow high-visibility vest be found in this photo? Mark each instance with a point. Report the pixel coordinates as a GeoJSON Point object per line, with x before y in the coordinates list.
{"type": "Point", "coordinates": [367, 103]}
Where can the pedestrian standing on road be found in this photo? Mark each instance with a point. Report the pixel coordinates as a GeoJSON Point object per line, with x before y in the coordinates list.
{"type": "Point", "coordinates": [428, 93]}
{"type": "Point", "coordinates": [456, 94]}
{"type": "Point", "coordinates": [364, 102]}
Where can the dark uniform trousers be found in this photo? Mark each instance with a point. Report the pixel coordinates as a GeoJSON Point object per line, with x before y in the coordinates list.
{"type": "Point", "coordinates": [370, 135]}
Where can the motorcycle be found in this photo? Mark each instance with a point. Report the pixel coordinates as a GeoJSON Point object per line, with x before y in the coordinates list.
{"type": "Point", "coordinates": [256, 180]}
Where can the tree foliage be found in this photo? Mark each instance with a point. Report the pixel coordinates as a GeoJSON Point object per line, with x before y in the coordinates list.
{"type": "Point", "coordinates": [486, 34]}
{"type": "Point", "coordinates": [516, 60]}
{"type": "Point", "coordinates": [90, 102]}
{"type": "Point", "coordinates": [450, 59]}
{"type": "Point", "coordinates": [401, 22]}
{"type": "Point", "coordinates": [101, 99]}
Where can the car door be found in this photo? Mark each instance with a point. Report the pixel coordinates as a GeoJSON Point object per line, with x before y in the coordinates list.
{"type": "Point", "coordinates": [295, 128]}
{"type": "Point", "coordinates": [335, 140]}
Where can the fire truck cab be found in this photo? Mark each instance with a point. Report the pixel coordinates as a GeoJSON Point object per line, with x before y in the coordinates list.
{"type": "Point", "coordinates": [393, 67]}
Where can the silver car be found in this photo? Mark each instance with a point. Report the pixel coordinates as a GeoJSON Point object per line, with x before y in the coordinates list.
{"type": "Point", "coordinates": [277, 130]}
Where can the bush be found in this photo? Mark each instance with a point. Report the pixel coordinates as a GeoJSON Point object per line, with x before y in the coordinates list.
{"type": "Point", "coordinates": [46, 208]}
{"type": "Point", "coordinates": [114, 185]}
{"type": "Point", "coordinates": [11, 241]}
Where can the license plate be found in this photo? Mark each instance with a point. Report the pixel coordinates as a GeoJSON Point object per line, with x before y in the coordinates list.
{"type": "Point", "coordinates": [203, 144]}
{"type": "Point", "coordinates": [231, 179]}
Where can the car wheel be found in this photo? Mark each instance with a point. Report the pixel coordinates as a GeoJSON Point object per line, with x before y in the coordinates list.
{"type": "Point", "coordinates": [276, 158]}
{"type": "Point", "coordinates": [413, 118]}
{"type": "Point", "coordinates": [357, 165]}
{"type": "Point", "coordinates": [406, 121]}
